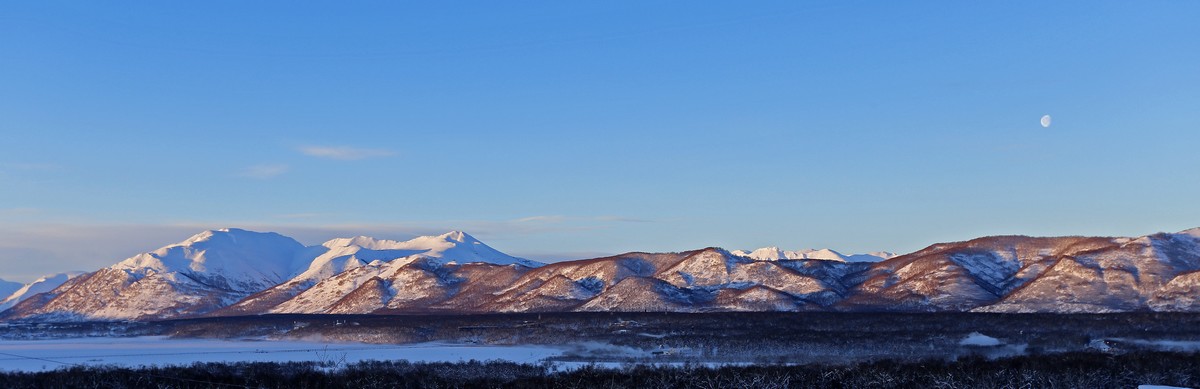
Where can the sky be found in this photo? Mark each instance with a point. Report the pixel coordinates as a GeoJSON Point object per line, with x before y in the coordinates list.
{"type": "Point", "coordinates": [562, 130]}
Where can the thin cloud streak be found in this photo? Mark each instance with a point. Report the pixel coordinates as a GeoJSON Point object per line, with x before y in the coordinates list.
{"type": "Point", "coordinates": [344, 153]}
{"type": "Point", "coordinates": [623, 219]}
{"type": "Point", "coordinates": [564, 219]}
{"type": "Point", "coordinates": [310, 215]}
{"type": "Point", "coordinates": [541, 219]}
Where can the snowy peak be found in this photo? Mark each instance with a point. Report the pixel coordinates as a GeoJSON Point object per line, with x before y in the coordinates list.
{"type": "Point", "coordinates": [460, 247]}
{"type": "Point", "coordinates": [8, 287]}
{"type": "Point", "coordinates": [342, 254]}
{"type": "Point", "coordinates": [769, 253]}
{"type": "Point", "coordinates": [340, 266]}
{"type": "Point", "coordinates": [351, 278]}
{"type": "Point", "coordinates": [874, 256]}
{"type": "Point", "coordinates": [825, 254]}
{"type": "Point", "coordinates": [238, 272]}
{"type": "Point", "coordinates": [365, 242]}
{"type": "Point", "coordinates": [205, 272]}
{"type": "Point", "coordinates": [772, 253]}
{"type": "Point", "coordinates": [44, 284]}
{"type": "Point", "coordinates": [458, 236]}
{"type": "Point", "coordinates": [230, 258]}
{"type": "Point", "coordinates": [453, 246]}
{"type": "Point", "coordinates": [440, 243]}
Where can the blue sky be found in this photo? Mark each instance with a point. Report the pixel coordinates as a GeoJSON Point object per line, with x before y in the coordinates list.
{"type": "Point", "coordinates": [566, 129]}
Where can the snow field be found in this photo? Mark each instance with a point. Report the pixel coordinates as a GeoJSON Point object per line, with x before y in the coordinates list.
{"type": "Point", "coordinates": [41, 355]}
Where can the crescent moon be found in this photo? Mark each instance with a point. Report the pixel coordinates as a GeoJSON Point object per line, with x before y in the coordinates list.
{"type": "Point", "coordinates": [1045, 121]}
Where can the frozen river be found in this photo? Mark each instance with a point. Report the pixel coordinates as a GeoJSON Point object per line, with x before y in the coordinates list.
{"type": "Point", "coordinates": [36, 355]}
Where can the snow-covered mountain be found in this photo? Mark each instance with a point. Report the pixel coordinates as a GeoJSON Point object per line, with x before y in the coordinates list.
{"type": "Point", "coordinates": [774, 254]}
{"type": "Point", "coordinates": [236, 272]}
{"type": "Point", "coordinates": [1024, 274]}
{"type": "Point", "coordinates": [8, 287]}
{"type": "Point", "coordinates": [711, 279]}
{"type": "Point", "coordinates": [207, 271]}
{"type": "Point", "coordinates": [215, 269]}
{"type": "Point", "coordinates": [44, 284]}
{"type": "Point", "coordinates": [340, 266]}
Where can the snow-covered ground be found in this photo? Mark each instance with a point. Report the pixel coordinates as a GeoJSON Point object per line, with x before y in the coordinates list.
{"type": "Point", "coordinates": [41, 355]}
{"type": "Point", "coordinates": [978, 339]}
{"type": "Point", "coordinates": [38, 355]}
{"type": "Point", "coordinates": [1162, 344]}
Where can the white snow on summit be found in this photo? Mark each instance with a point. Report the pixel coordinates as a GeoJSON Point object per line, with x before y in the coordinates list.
{"type": "Point", "coordinates": [208, 271]}
{"type": "Point", "coordinates": [236, 272]}
{"type": "Point", "coordinates": [342, 254]}
{"type": "Point", "coordinates": [774, 254]}
{"type": "Point", "coordinates": [239, 259]}
{"type": "Point", "coordinates": [459, 247]}
{"type": "Point", "coordinates": [44, 284]}
{"type": "Point", "coordinates": [361, 274]}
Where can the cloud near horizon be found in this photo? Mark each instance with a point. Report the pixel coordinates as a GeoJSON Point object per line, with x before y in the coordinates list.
{"type": "Point", "coordinates": [344, 153]}
{"type": "Point", "coordinates": [623, 219]}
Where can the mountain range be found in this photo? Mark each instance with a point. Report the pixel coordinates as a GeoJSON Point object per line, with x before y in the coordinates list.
{"type": "Point", "coordinates": [237, 272]}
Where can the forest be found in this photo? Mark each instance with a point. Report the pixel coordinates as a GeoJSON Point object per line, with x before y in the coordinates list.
{"type": "Point", "coordinates": [1069, 370]}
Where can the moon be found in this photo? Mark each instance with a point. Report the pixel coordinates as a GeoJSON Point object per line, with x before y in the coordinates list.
{"type": "Point", "coordinates": [1045, 121]}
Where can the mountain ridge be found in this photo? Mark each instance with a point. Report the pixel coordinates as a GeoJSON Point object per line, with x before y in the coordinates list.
{"type": "Point", "coordinates": [43, 284]}
{"type": "Point", "coordinates": [8, 287]}
{"type": "Point", "coordinates": [456, 273]}
{"type": "Point", "coordinates": [772, 253]}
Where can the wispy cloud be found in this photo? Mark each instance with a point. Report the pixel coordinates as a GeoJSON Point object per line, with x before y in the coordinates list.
{"type": "Point", "coordinates": [541, 219]}
{"type": "Point", "coordinates": [309, 215]}
{"type": "Point", "coordinates": [264, 171]}
{"type": "Point", "coordinates": [622, 219]}
{"type": "Point", "coordinates": [344, 153]}
{"type": "Point", "coordinates": [564, 219]}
